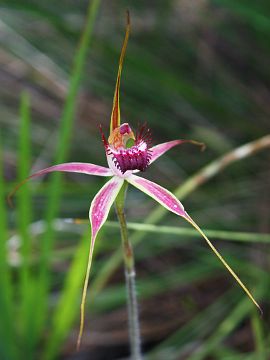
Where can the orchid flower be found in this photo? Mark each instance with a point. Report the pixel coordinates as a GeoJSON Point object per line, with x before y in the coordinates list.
{"type": "Point", "coordinates": [127, 154]}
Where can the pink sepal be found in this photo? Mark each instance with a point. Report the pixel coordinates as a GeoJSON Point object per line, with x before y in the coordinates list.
{"type": "Point", "coordinates": [160, 149]}
{"type": "Point", "coordinates": [76, 167]}
{"type": "Point", "coordinates": [98, 214]}
{"type": "Point", "coordinates": [99, 211]}
{"type": "Point", "coordinates": [158, 193]}
{"type": "Point", "coordinates": [102, 203]}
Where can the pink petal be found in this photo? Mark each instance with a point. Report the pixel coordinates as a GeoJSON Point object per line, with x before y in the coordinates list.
{"type": "Point", "coordinates": [170, 202]}
{"type": "Point", "coordinates": [98, 214]}
{"type": "Point", "coordinates": [160, 149]}
{"type": "Point", "coordinates": [102, 203]}
{"type": "Point", "coordinates": [158, 193]}
{"type": "Point", "coordinates": [76, 167]}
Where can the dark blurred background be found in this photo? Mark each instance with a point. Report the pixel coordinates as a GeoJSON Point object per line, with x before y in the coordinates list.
{"type": "Point", "coordinates": [194, 69]}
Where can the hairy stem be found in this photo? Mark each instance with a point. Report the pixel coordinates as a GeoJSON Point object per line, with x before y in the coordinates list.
{"type": "Point", "coordinates": [132, 305]}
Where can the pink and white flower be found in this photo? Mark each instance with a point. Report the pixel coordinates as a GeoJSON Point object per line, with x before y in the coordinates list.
{"type": "Point", "coordinates": [128, 154]}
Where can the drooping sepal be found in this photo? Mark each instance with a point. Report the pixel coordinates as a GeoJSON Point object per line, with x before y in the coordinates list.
{"type": "Point", "coordinates": [170, 202]}
{"type": "Point", "coordinates": [158, 193]}
{"type": "Point", "coordinates": [98, 214]}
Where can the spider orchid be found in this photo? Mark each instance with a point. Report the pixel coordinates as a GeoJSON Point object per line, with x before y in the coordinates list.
{"type": "Point", "coordinates": [127, 154]}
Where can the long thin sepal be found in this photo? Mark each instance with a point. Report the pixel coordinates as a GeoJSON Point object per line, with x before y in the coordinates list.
{"type": "Point", "coordinates": [227, 266]}
{"type": "Point", "coordinates": [98, 214]}
{"type": "Point", "coordinates": [158, 193]}
{"type": "Point", "coordinates": [160, 149]}
{"type": "Point", "coordinates": [115, 117]}
{"type": "Point", "coordinates": [170, 202]}
{"type": "Point", "coordinates": [75, 167]}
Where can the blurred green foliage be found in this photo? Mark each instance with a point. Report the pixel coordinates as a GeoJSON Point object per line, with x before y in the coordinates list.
{"type": "Point", "coordinates": [194, 69]}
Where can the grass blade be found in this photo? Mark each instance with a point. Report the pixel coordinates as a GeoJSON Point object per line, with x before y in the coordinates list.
{"type": "Point", "coordinates": [259, 338]}
{"type": "Point", "coordinates": [7, 351]}
{"type": "Point", "coordinates": [66, 309]}
{"type": "Point", "coordinates": [63, 145]}
{"type": "Point", "coordinates": [24, 216]}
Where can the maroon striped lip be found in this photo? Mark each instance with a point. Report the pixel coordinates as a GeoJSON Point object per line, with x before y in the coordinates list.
{"type": "Point", "coordinates": [136, 157]}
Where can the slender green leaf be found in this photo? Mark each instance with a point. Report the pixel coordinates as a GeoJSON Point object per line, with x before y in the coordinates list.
{"type": "Point", "coordinates": [7, 330]}
{"type": "Point", "coordinates": [218, 234]}
{"type": "Point", "coordinates": [63, 146]}
{"type": "Point", "coordinates": [67, 307]}
{"type": "Point", "coordinates": [24, 220]}
{"type": "Point", "coordinates": [259, 337]}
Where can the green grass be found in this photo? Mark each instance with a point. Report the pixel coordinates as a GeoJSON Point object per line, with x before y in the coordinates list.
{"type": "Point", "coordinates": [34, 284]}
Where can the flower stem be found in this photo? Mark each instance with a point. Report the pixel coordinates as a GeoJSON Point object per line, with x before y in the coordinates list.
{"type": "Point", "coordinates": [133, 314]}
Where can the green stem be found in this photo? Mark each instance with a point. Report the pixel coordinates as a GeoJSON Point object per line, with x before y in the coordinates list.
{"type": "Point", "coordinates": [130, 275]}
